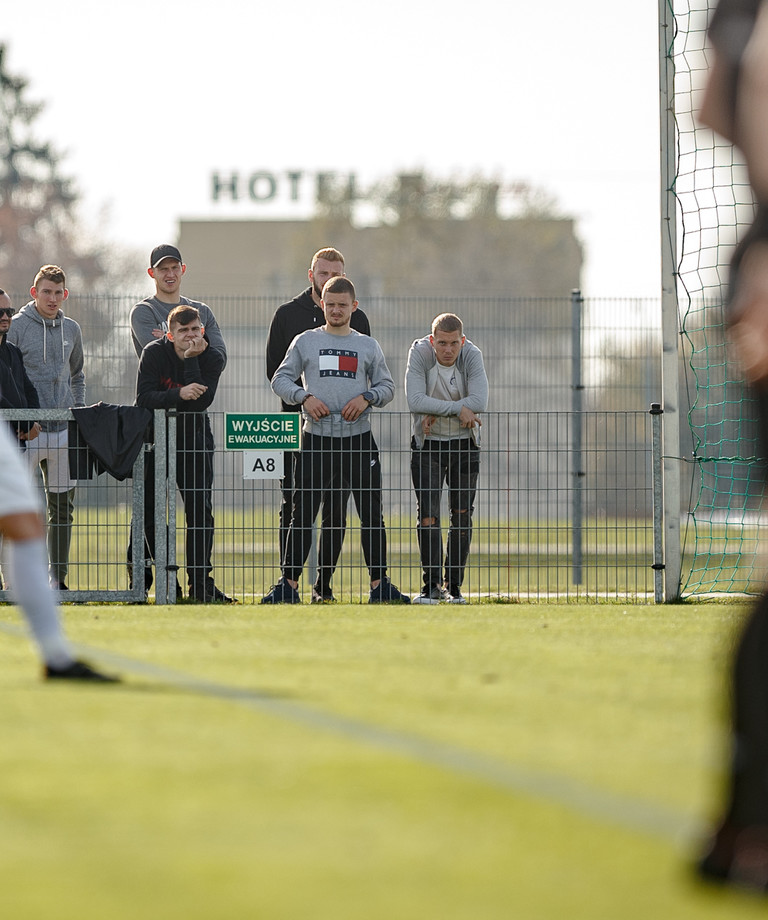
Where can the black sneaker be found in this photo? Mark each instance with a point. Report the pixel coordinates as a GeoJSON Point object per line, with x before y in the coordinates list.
{"type": "Point", "coordinates": [455, 596]}
{"type": "Point", "coordinates": [322, 595]}
{"type": "Point", "coordinates": [78, 670]}
{"type": "Point", "coordinates": [432, 594]}
{"type": "Point", "coordinates": [209, 595]}
{"type": "Point", "coordinates": [387, 593]}
{"type": "Point", "coordinates": [282, 593]}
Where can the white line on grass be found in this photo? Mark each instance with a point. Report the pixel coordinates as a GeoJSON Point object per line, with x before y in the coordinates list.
{"type": "Point", "coordinates": [592, 802]}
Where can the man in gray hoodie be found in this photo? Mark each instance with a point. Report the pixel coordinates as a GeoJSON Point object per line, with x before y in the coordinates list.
{"type": "Point", "coordinates": [52, 348]}
{"type": "Point", "coordinates": [446, 388]}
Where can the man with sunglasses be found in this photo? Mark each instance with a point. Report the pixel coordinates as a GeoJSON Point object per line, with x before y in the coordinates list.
{"type": "Point", "coordinates": [16, 389]}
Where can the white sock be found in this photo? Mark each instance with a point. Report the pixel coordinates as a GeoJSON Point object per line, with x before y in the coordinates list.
{"type": "Point", "coordinates": [28, 576]}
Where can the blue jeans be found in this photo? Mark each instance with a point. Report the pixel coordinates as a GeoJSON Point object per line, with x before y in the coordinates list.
{"type": "Point", "coordinates": [456, 463]}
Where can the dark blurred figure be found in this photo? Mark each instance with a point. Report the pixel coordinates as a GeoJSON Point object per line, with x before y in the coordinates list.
{"type": "Point", "coordinates": [735, 105]}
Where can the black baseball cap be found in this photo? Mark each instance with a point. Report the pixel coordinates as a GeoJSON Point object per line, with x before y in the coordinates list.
{"type": "Point", "coordinates": [163, 251]}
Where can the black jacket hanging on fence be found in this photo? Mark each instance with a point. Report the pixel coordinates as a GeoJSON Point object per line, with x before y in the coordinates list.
{"type": "Point", "coordinates": [106, 438]}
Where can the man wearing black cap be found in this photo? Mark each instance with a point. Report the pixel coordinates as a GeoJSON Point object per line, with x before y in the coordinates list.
{"type": "Point", "coordinates": [149, 323]}
{"type": "Point", "coordinates": [149, 319]}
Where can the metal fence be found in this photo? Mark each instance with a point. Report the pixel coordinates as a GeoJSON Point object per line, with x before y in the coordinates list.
{"type": "Point", "coordinates": [564, 511]}
{"type": "Point", "coordinates": [528, 345]}
{"type": "Point", "coordinates": [564, 505]}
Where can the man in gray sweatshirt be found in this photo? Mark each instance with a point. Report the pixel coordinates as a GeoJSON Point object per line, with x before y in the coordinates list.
{"type": "Point", "coordinates": [446, 388]}
{"type": "Point", "coordinates": [52, 348]}
{"type": "Point", "coordinates": [342, 374]}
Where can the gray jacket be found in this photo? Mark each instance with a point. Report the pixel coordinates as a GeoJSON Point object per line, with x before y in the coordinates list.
{"type": "Point", "coordinates": [420, 378]}
{"type": "Point", "coordinates": [53, 358]}
{"type": "Point", "coordinates": [152, 313]}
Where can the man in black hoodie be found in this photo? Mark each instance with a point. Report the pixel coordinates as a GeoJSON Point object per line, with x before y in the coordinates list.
{"type": "Point", "coordinates": [298, 315]}
{"type": "Point", "coordinates": [180, 371]}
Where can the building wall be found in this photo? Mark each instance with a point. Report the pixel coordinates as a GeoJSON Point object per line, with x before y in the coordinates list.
{"type": "Point", "coordinates": [526, 257]}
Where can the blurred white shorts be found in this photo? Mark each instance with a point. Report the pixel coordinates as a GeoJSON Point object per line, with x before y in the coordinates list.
{"type": "Point", "coordinates": [17, 491]}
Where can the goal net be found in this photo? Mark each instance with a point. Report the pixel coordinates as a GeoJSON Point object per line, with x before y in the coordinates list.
{"type": "Point", "coordinates": [714, 209]}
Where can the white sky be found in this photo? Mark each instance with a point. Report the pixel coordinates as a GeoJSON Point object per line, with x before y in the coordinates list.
{"type": "Point", "coordinates": [146, 99]}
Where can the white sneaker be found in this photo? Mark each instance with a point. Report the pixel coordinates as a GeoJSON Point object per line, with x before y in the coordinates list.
{"type": "Point", "coordinates": [432, 594]}
{"type": "Point", "coordinates": [455, 596]}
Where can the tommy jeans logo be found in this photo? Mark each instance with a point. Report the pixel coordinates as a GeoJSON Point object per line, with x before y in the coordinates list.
{"type": "Point", "coordinates": [338, 362]}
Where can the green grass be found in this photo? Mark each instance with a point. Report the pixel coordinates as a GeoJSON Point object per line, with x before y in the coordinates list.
{"type": "Point", "coordinates": [387, 763]}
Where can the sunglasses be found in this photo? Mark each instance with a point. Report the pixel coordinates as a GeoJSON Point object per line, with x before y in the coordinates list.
{"type": "Point", "coordinates": [7, 311]}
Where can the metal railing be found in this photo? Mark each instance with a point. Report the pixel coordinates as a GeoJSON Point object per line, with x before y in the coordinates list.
{"type": "Point", "coordinates": [538, 504]}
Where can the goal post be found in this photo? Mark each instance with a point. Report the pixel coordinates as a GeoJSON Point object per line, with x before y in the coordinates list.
{"type": "Point", "coordinates": [669, 308]}
{"type": "Point", "coordinates": [706, 206]}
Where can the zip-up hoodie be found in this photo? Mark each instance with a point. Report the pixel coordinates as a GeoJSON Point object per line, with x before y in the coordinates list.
{"type": "Point", "coordinates": [53, 358]}
{"type": "Point", "coordinates": [420, 377]}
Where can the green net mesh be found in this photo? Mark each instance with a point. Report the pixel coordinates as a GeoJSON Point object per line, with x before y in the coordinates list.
{"type": "Point", "coordinates": [714, 208]}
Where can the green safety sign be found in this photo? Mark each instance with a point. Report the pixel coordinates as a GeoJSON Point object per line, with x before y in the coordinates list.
{"type": "Point", "coordinates": [262, 431]}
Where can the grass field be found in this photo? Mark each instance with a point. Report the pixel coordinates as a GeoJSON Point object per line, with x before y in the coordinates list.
{"type": "Point", "coordinates": [387, 763]}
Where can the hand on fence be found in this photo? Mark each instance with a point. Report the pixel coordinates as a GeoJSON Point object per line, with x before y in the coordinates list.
{"type": "Point", "coordinates": [468, 419]}
{"type": "Point", "coordinates": [315, 408]}
{"type": "Point", "coordinates": [30, 435]}
{"type": "Point", "coordinates": [354, 408]}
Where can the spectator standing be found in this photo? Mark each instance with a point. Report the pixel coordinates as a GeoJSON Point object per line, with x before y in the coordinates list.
{"type": "Point", "coordinates": [51, 345]}
{"type": "Point", "coordinates": [342, 373]}
{"type": "Point", "coordinates": [446, 387]}
{"type": "Point", "coordinates": [181, 371]}
{"type": "Point", "coordinates": [149, 322]}
{"type": "Point", "coordinates": [299, 315]}
{"type": "Point", "coordinates": [16, 389]}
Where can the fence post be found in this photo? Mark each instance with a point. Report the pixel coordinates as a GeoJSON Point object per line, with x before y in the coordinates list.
{"type": "Point", "coordinates": [138, 526]}
{"type": "Point", "coordinates": [171, 567]}
{"type": "Point", "coordinates": [658, 504]}
{"type": "Point", "coordinates": [161, 494]}
{"type": "Point", "coordinates": [577, 391]}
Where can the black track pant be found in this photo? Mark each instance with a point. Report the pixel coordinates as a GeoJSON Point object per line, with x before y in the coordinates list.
{"type": "Point", "coordinates": [331, 465]}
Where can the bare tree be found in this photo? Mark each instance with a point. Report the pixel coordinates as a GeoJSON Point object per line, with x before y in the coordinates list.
{"type": "Point", "coordinates": [38, 204]}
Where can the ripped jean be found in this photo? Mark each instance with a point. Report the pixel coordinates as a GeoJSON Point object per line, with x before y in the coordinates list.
{"type": "Point", "coordinates": [457, 464]}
